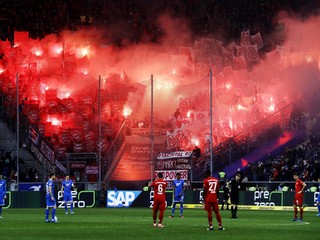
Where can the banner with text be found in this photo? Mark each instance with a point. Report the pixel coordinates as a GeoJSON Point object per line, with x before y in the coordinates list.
{"type": "Point", "coordinates": [177, 154]}
{"type": "Point", "coordinates": [170, 175]}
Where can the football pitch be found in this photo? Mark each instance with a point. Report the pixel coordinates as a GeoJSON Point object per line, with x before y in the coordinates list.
{"type": "Point", "coordinates": [136, 223]}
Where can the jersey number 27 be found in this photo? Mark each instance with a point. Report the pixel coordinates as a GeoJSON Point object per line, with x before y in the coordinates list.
{"type": "Point", "coordinates": [212, 187]}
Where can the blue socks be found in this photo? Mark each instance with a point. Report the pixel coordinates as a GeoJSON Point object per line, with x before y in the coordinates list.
{"type": "Point", "coordinates": [53, 212]}
{"type": "Point", "coordinates": [47, 213]}
{"type": "Point", "coordinates": [173, 209]}
{"type": "Point", "coordinates": [181, 209]}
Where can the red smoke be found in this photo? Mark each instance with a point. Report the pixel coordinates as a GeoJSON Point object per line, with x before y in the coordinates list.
{"type": "Point", "coordinates": [58, 83]}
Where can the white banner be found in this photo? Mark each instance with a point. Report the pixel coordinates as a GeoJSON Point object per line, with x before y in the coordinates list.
{"type": "Point", "coordinates": [170, 175]}
{"type": "Point", "coordinates": [178, 154]}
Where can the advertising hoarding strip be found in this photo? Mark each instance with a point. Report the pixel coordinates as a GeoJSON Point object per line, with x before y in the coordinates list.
{"type": "Point", "coordinates": [9, 200]}
{"type": "Point", "coordinates": [254, 207]}
{"type": "Point", "coordinates": [94, 197]}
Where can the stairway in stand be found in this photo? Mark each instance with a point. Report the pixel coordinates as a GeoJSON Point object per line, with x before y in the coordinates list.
{"type": "Point", "coordinates": [26, 159]}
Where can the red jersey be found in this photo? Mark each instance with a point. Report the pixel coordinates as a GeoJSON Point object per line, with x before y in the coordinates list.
{"type": "Point", "coordinates": [159, 188]}
{"type": "Point", "coordinates": [299, 185]}
{"type": "Point", "coordinates": [211, 189]}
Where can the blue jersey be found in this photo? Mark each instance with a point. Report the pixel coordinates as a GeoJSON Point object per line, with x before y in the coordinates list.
{"type": "Point", "coordinates": [50, 202]}
{"type": "Point", "coordinates": [3, 190]}
{"type": "Point", "coordinates": [67, 186]}
{"type": "Point", "coordinates": [3, 187]}
{"type": "Point", "coordinates": [178, 187]}
{"type": "Point", "coordinates": [50, 183]}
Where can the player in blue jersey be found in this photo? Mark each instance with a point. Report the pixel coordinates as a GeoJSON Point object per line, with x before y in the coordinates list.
{"type": "Point", "coordinates": [318, 199]}
{"type": "Point", "coordinates": [178, 193]}
{"type": "Point", "coordinates": [66, 189]}
{"type": "Point", "coordinates": [3, 190]}
{"type": "Point", "coordinates": [50, 200]}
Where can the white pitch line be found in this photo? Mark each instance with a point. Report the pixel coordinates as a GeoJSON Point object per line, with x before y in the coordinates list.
{"type": "Point", "coordinates": [285, 222]}
{"type": "Point", "coordinates": [293, 223]}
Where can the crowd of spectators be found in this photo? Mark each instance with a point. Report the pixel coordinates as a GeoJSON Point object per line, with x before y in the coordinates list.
{"type": "Point", "coordinates": [29, 175]}
{"type": "Point", "coordinates": [7, 164]}
{"type": "Point", "coordinates": [145, 123]}
{"type": "Point", "coordinates": [302, 158]}
{"type": "Point", "coordinates": [242, 144]}
{"type": "Point", "coordinates": [137, 21]}
{"type": "Point", "coordinates": [270, 169]}
{"type": "Point", "coordinates": [8, 167]}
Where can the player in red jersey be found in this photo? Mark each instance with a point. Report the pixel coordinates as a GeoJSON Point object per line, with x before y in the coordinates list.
{"type": "Point", "coordinates": [159, 200]}
{"type": "Point", "coordinates": [298, 197]}
{"type": "Point", "coordinates": [210, 193]}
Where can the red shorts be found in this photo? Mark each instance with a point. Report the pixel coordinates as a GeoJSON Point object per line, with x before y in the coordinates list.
{"type": "Point", "coordinates": [298, 200]}
{"type": "Point", "coordinates": [209, 206]}
{"type": "Point", "coordinates": [159, 205]}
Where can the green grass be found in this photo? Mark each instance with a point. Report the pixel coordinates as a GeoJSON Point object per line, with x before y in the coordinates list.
{"type": "Point", "coordinates": [136, 223]}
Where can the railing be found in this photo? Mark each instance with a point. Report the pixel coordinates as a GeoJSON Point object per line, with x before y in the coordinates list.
{"type": "Point", "coordinates": [42, 149]}
{"type": "Point", "coordinates": [254, 137]}
{"type": "Point", "coordinates": [195, 185]}
{"type": "Point", "coordinates": [114, 148]}
{"type": "Point", "coordinates": [263, 185]}
{"type": "Point", "coordinates": [10, 118]}
{"type": "Point", "coordinates": [40, 186]}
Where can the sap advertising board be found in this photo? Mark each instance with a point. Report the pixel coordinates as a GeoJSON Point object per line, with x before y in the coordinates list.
{"type": "Point", "coordinates": [120, 199]}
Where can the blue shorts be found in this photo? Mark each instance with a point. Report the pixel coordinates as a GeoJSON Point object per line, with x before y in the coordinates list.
{"type": "Point", "coordinates": [179, 198]}
{"type": "Point", "coordinates": [318, 199]}
{"type": "Point", "coordinates": [2, 199]}
{"type": "Point", "coordinates": [50, 202]}
{"type": "Point", "coordinates": [67, 197]}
